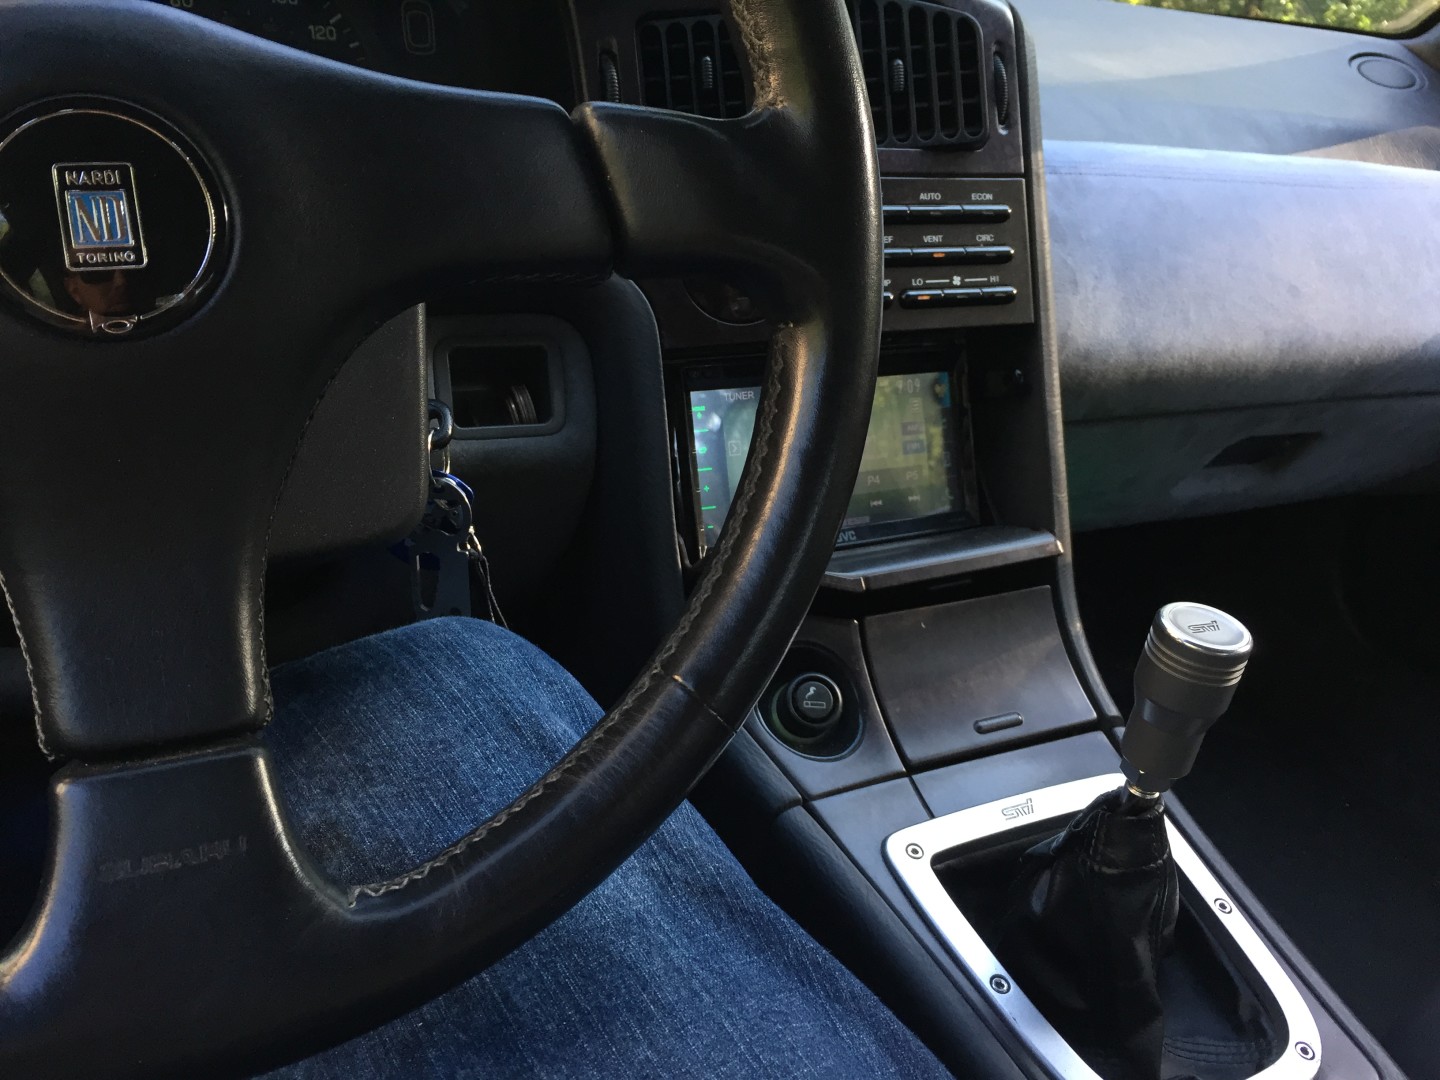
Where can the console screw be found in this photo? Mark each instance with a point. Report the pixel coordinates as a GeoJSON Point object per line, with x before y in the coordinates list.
{"type": "Point", "coordinates": [1223, 906]}
{"type": "Point", "coordinates": [915, 851]}
{"type": "Point", "coordinates": [1305, 1050]}
{"type": "Point", "coordinates": [999, 984]}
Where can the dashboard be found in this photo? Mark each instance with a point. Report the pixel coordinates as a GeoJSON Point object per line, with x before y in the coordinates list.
{"type": "Point", "coordinates": [476, 44]}
{"type": "Point", "coordinates": [964, 246]}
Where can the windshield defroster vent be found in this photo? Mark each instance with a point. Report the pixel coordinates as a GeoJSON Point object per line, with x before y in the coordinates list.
{"type": "Point", "coordinates": [690, 65]}
{"type": "Point", "coordinates": [923, 67]}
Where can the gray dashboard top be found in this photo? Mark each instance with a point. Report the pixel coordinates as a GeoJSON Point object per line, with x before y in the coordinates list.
{"type": "Point", "coordinates": [1245, 235]}
{"type": "Point", "coordinates": [1115, 73]}
{"type": "Point", "coordinates": [1191, 280]}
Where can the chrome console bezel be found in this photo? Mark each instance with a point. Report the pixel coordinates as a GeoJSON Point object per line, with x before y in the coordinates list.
{"type": "Point", "coordinates": [911, 853]}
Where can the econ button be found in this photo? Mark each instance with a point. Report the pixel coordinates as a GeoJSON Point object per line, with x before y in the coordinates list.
{"type": "Point", "coordinates": [111, 224]}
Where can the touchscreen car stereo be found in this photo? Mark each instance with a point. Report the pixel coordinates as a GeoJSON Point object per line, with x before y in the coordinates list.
{"type": "Point", "coordinates": [917, 474]}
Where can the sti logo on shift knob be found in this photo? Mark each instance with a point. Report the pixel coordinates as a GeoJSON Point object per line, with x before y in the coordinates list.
{"type": "Point", "coordinates": [100, 216]}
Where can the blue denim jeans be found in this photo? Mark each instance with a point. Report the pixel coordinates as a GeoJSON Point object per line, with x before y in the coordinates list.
{"type": "Point", "coordinates": [677, 966]}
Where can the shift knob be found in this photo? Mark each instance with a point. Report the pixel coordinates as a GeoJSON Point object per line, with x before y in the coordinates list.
{"type": "Point", "coordinates": [1193, 660]}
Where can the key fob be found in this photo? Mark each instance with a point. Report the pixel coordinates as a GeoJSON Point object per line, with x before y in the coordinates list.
{"type": "Point", "coordinates": [438, 550]}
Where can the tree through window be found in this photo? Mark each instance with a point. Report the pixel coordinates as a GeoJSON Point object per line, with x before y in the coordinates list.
{"type": "Point", "coordinates": [1392, 17]}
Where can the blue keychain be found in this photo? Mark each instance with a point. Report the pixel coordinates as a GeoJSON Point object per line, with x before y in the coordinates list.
{"type": "Point", "coordinates": [444, 550]}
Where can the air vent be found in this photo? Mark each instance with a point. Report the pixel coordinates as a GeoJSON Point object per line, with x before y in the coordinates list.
{"type": "Point", "coordinates": [922, 68]}
{"type": "Point", "coordinates": [690, 65]}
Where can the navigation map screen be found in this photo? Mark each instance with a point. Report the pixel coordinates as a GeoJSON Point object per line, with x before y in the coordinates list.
{"type": "Point", "coordinates": [915, 476]}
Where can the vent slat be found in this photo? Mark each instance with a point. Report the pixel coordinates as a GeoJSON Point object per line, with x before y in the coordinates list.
{"type": "Point", "coordinates": [866, 15]}
{"type": "Point", "coordinates": [922, 67]}
{"type": "Point", "coordinates": [654, 82]}
{"type": "Point", "coordinates": [897, 72]}
{"type": "Point", "coordinates": [947, 90]}
{"type": "Point", "coordinates": [732, 78]}
{"type": "Point", "coordinates": [690, 65]}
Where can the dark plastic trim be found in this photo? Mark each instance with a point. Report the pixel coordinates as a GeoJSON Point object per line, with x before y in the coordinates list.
{"type": "Point", "coordinates": [1072, 629]}
{"type": "Point", "coordinates": [1330, 1011]}
{"type": "Point", "coordinates": [931, 558]}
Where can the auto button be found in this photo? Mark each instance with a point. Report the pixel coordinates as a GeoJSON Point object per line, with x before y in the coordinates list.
{"type": "Point", "coordinates": [936, 214]}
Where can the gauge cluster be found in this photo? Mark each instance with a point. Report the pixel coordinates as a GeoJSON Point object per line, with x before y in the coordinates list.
{"type": "Point", "coordinates": [470, 43]}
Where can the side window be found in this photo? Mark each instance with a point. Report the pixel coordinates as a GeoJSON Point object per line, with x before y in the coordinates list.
{"type": "Point", "coordinates": [1390, 17]}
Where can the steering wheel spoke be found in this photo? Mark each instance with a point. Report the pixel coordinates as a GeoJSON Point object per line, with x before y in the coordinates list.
{"type": "Point", "coordinates": [694, 194]}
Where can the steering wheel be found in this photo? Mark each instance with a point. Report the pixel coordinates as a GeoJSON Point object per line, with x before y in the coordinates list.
{"type": "Point", "coordinates": [213, 223]}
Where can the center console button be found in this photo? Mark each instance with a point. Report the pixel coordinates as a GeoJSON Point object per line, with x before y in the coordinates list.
{"type": "Point", "coordinates": [964, 297]}
{"type": "Point", "coordinates": [1000, 294]}
{"type": "Point", "coordinates": [992, 212]}
{"type": "Point", "coordinates": [895, 214]}
{"type": "Point", "coordinates": [813, 699]}
{"type": "Point", "coordinates": [922, 298]}
{"type": "Point", "coordinates": [937, 213]}
{"type": "Point", "coordinates": [807, 712]}
{"type": "Point", "coordinates": [996, 253]}
{"type": "Point", "coordinates": [897, 256]}
{"type": "Point", "coordinates": [928, 256]}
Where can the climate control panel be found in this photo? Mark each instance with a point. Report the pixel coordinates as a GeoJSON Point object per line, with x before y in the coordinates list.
{"type": "Point", "coordinates": [957, 253]}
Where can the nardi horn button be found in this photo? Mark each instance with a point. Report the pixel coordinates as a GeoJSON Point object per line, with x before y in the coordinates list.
{"type": "Point", "coordinates": [110, 222]}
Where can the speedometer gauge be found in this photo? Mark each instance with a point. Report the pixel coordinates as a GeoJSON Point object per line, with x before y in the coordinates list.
{"type": "Point", "coordinates": [479, 44]}
{"type": "Point", "coordinates": [317, 26]}
{"type": "Point", "coordinates": [225, 11]}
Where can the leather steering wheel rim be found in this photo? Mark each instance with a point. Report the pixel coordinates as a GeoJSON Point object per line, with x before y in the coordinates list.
{"type": "Point", "coordinates": [181, 926]}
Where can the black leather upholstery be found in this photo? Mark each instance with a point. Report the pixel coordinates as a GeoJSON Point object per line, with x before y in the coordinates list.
{"type": "Point", "coordinates": [1092, 915]}
{"type": "Point", "coordinates": [180, 927]}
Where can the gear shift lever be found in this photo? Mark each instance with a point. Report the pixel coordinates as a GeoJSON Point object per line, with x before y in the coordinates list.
{"type": "Point", "coordinates": [1092, 911]}
{"type": "Point", "coordinates": [1193, 660]}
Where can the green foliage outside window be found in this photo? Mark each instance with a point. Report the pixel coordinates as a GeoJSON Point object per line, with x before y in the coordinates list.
{"type": "Point", "coordinates": [1371, 16]}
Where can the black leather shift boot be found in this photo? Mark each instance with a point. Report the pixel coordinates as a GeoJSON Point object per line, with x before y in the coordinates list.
{"type": "Point", "coordinates": [1091, 915]}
